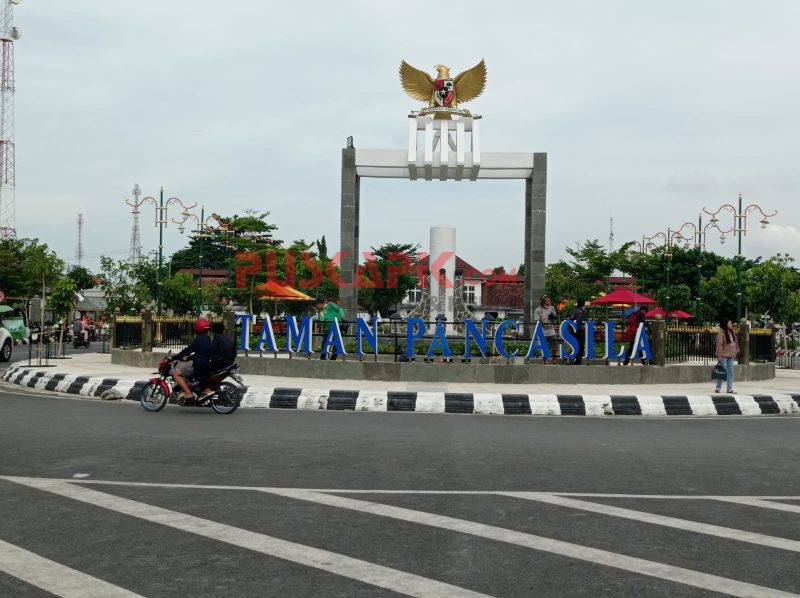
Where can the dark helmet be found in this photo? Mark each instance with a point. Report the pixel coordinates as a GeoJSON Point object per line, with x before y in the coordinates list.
{"type": "Point", "coordinates": [202, 325]}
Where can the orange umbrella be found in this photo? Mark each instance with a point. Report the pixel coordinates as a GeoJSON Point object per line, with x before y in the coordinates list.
{"type": "Point", "coordinates": [274, 291]}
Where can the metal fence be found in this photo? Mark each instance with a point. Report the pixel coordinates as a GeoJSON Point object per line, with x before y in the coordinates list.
{"type": "Point", "coordinates": [698, 344]}
{"type": "Point", "coordinates": [128, 332]}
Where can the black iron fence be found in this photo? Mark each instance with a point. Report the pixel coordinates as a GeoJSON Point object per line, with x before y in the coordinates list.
{"type": "Point", "coordinates": [698, 344]}
{"type": "Point", "coordinates": [128, 332]}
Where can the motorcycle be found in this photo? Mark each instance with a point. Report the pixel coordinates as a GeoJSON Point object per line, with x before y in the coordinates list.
{"type": "Point", "coordinates": [79, 341]}
{"type": "Point", "coordinates": [224, 399]}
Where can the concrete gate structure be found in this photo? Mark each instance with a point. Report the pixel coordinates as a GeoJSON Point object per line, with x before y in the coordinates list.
{"type": "Point", "coordinates": [443, 150]}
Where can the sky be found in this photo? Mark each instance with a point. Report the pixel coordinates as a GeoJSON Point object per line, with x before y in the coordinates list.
{"type": "Point", "coordinates": [649, 111]}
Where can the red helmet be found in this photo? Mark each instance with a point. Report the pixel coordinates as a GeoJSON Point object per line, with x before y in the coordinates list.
{"type": "Point", "coordinates": [202, 325]}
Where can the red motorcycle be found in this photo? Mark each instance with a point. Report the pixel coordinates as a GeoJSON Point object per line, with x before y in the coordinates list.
{"type": "Point", "coordinates": [224, 399]}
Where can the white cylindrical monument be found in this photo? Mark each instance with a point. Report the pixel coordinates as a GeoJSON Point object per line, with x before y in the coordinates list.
{"type": "Point", "coordinates": [442, 265]}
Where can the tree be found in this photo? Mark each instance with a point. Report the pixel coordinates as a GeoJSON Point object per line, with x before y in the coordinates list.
{"type": "Point", "coordinates": [121, 289]}
{"type": "Point", "coordinates": [26, 266]}
{"type": "Point", "coordinates": [61, 302]}
{"type": "Point", "coordinates": [180, 293]}
{"type": "Point", "coordinates": [680, 297]}
{"type": "Point", "coordinates": [718, 295]}
{"type": "Point", "coordinates": [381, 297]}
{"type": "Point", "coordinates": [772, 287]}
{"type": "Point", "coordinates": [82, 278]}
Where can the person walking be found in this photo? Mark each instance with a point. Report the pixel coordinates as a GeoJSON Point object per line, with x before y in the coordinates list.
{"type": "Point", "coordinates": [636, 318]}
{"type": "Point", "coordinates": [546, 315]}
{"type": "Point", "coordinates": [578, 315]}
{"type": "Point", "coordinates": [727, 351]}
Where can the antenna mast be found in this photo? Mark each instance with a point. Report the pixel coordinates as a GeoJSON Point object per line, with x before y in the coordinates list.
{"type": "Point", "coordinates": [611, 235]}
{"type": "Point", "coordinates": [79, 248]}
{"type": "Point", "coordinates": [135, 250]}
{"type": "Point", "coordinates": [8, 35]}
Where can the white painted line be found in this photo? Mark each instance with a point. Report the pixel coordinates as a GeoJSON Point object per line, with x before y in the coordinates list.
{"type": "Point", "coordinates": [384, 491]}
{"type": "Point", "coordinates": [598, 405]}
{"type": "Point", "coordinates": [544, 405]}
{"type": "Point", "coordinates": [54, 577]}
{"type": "Point", "coordinates": [576, 551]}
{"type": "Point", "coordinates": [430, 402]}
{"type": "Point", "coordinates": [674, 522]}
{"type": "Point", "coordinates": [651, 405]}
{"type": "Point", "coordinates": [763, 504]}
{"type": "Point", "coordinates": [377, 575]}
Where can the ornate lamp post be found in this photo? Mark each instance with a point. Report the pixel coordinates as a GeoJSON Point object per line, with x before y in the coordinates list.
{"type": "Point", "coordinates": [161, 221]}
{"type": "Point", "coordinates": [739, 228]}
{"type": "Point", "coordinates": [201, 225]}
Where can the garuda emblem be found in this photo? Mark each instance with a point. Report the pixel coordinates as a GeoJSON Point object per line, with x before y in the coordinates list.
{"type": "Point", "coordinates": [445, 92]}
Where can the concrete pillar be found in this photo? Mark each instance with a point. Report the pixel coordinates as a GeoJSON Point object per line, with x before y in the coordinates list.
{"type": "Point", "coordinates": [114, 328]}
{"type": "Point", "coordinates": [147, 331]}
{"type": "Point", "coordinates": [348, 297]}
{"type": "Point", "coordinates": [535, 228]}
{"type": "Point", "coordinates": [229, 321]}
{"type": "Point", "coordinates": [442, 240]}
{"type": "Point", "coordinates": [658, 341]}
{"type": "Point", "coordinates": [744, 342]}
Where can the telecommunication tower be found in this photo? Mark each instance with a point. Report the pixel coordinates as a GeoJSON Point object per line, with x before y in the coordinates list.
{"type": "Point", "coordinates": [610, 234]}
{"type": "Point", "coordinates": [79, 247]}
{"type": "Point", "coordinates": [135, 250]}
{"type": "Point", "coordinates": [8, 35]}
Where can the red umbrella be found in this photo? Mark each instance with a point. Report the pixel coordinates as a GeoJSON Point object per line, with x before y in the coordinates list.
{"type": "Point", "coordinates": [658, 311]}
{"type": "Point", "coordinates": [623, 296]}
{"type": "Point", "coordinates": [681, 315]}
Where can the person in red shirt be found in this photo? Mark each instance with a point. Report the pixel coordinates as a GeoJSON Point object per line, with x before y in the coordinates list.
{"type": "Point", "coordinates": [634, 320]}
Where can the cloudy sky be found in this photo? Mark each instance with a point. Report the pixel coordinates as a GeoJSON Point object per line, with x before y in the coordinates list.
{"type": "Point", "coordinates": [649, 111]}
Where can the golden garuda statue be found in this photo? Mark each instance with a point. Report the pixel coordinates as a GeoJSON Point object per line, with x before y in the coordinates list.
{"type": "Point", "coordinates": [445, 92]}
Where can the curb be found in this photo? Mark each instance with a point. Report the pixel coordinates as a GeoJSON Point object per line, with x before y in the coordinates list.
{"type": "Point", "coordinates": [439, 402]}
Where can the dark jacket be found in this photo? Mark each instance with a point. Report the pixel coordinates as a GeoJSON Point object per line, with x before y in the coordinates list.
{"type": "Point", "coordinates": [200, 348]}
{"type": "Point", "coordinates": [223, 351]}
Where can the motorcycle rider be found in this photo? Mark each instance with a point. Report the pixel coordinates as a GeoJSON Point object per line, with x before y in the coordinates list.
{"type": "Point", "coordinates": [200, 350]}
{"type": "Point", "coordinates": [222, 354]}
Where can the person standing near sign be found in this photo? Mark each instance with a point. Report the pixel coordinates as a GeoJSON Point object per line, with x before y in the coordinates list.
{"type": "Point", "coordinates": [636, 318]}
{"type": "Point", "coordinates": [328, 313]}
{"type": "Point", "coordinates": [727, 350]}
{"type": "Point", "coordinates": [578, 316]}
{"type": "Point", "coordinates": [546, 315]}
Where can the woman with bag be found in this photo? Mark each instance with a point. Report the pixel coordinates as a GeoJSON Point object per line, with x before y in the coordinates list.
{"type": "Point", "coordinates": [727, 350]}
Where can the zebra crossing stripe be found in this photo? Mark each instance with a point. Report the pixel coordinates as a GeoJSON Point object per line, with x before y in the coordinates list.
{"type": "Point", "coordinates": [366, 572]}
{"type": "Point", "coordinates": [663, 520]}
{"type": "Point", "coordinates": [54, 577]}
{"type": "Point", "coordinates": [688, 577]}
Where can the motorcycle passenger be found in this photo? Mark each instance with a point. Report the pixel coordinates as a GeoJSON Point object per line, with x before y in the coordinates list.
{"type": "Point", "coordinates": [223, 354]}
{"type": "Point", "coordinates": [200, 351]}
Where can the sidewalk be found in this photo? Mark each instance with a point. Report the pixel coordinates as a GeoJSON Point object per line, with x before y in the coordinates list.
{"type": "Point", "coordinates": [93, 374]}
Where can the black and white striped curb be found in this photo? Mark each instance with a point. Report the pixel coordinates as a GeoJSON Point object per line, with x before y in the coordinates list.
{"type": "Point", "coordinates": [441, 402]}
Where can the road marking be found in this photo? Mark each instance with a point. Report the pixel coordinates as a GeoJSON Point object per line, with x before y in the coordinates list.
{"type": "Point", "coordinates": [370, 573]}
{"type": "Point", "coordinates": [684, 524]}
{"type": "Point", "coordinates": [575, 551]}
{"type": "Point", "coordinates": [763, 504]}
{"type": "Point", "coordinates": [385, 491]}
{"type": "Point", "coordinates": [54, 577]}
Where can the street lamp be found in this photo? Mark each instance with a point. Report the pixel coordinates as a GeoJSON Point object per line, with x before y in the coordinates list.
{"type": "Point", "coordinates": [201, 225]}
{"type": "Point", "coordinates": [161, 221]}
{"type": "Point", "coordinates": [739, 228]}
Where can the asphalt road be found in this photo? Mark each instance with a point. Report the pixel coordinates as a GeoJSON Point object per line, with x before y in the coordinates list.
{"type": "Point", "coordinates": [416, 504]}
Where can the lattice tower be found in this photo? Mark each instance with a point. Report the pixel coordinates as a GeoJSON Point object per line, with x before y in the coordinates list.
{"type": "Point", "coordinates": [8, 35]}
{"type": "Point", "coordinates": [79, 246]}
{"type": "Point", "coordinates": [135, 250]}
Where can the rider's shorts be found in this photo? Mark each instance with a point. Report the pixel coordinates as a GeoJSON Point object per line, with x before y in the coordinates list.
{"type": "Point", "coordinates": [185, 369]}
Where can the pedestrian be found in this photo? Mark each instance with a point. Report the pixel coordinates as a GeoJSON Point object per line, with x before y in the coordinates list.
{"type": "Point", "coordinates": [328, 312]}
{"type": "Point", "coordinates": [636, 318]}
{"type": "Point", "coordinates": [727, 351]}
{"type": "Point", "coordinates": [546, 315]}
{"type": "Point", "coordinates": [578, 316]}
